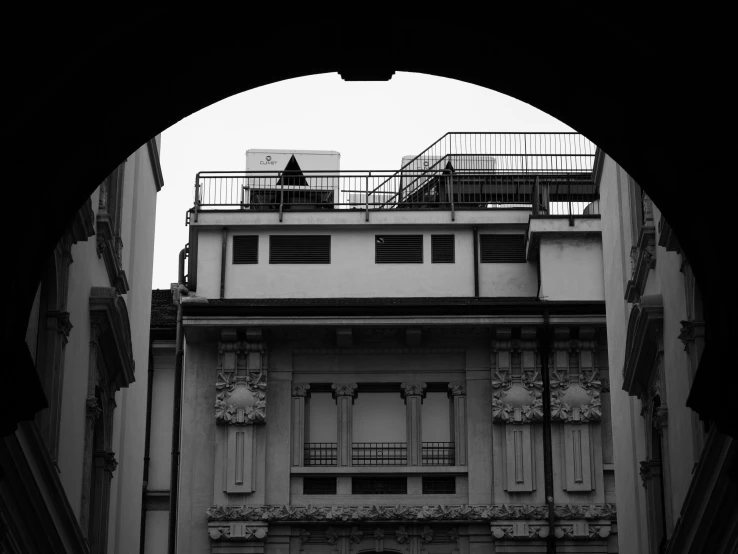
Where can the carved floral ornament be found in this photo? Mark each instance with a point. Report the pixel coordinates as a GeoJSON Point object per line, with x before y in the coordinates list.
{"type": "Point", "coordinates": [300, 389]}
{"type": "Point", "coordinates": [344, 389]}
{"type": "Point", "coordinates": [522, 401]}
{"type": "Point", "coordinates": [240, 400]}
{"type": "Point", "coordinates": [413, 389]}
{"type": "Point", "coordinates": [416, 514]}
{"type": "Point", "coordinates": [238, 531]}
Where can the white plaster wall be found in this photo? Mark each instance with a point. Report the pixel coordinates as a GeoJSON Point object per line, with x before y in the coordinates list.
{"type": "Point", "coordinates": [436, 418]}
{"type": "Point", "coordinates": [670, 282]}
{"type": "Point", "coordinates": [571, 268]}
{"type": "Point", "coordinates": [86, 271]}
{"type": "Point", "coordinates": [322, 426]}
{"type": "Point", "coordinates": [160, 445]}
{"type": "Point", "coordinates": [352, 272]}
{"type": "Point", "coordinates": [137, 233]}
{"type": "Point", "coordinates": [157, 527]}
{"type": "Point", "coordinates": [379, 417]}
{"type": "Point", "coordinates": [627, 424]}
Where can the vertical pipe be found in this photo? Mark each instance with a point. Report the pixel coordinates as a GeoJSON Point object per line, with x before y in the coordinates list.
{"type": "Point", "coordinates": [147, 450]}
{"type": "Point", "coordinates": [476, 262]}
{"type": "Point", "coordinates": [223, 249]}
{"type": "Point", "coordinates": [281, 197]}
{"type": "Point", "coordinates": [451, 194]}
{"type": "Point", "coordinates": [177, 416]}
{"type": "Point", "coordinates": [367, 197]}
{"type": "Point", "coordinates": [547, 450]}
{"type": "Point", "coordinates": [536, 192]}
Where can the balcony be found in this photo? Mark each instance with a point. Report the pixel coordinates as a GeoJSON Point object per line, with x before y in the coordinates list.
{"type": "Point", "coordinates": [379, 454]}
{"type": "Point", "coordinates": [546, 173]}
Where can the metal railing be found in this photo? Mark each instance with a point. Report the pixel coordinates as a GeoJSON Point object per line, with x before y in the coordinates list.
{"type": "Point", "coordinates": [320, 454]}
{"type": "Point", "coordinates": [438, 453]}
{"type": "Point", "coordinates": [379, 453]}
{"type": "Point", "coordinates": [547, 173]}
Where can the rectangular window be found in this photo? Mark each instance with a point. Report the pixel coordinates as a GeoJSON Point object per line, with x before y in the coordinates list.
{"type": "Point", "coordinates": [398, 249]}
{"type": "Point", "coordinates": [379, 485]}
{"type": "Point", "coordinates": [439, 485]}
{"type": "Point", "coordinates": [442, 249]}
{"type": "Point", "coordinates": [496, 249]}
{"type": "Point", "coordinates": [319, 485]}
{"type": "Point", "coordinates": [300, 249]}
{"type": "Point", "coordinates": [246, 249]}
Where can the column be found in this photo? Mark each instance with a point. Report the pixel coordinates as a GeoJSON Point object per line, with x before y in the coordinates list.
{"type": "Point", "coordinates": [299, 392]}
{"type": "Point", "coordinates": [458, 397]}
{"type": "Point", "coordinates": [413, 393]}
{"type": "Point", "coordinates": [344, 393]}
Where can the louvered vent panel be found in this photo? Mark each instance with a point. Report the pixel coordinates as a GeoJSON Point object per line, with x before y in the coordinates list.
{"type": "Point", "coordinates": [442, 249]}
{"type": "Point", "coordinates": [246, 249]}
{"type": "Point", "coordinates": [502, 248]}
{"type": "Point", "coordinates": [398, 249]}
{"type": "Point", "coordinates": [300, 249]}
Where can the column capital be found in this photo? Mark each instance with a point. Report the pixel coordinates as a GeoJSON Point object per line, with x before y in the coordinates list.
{"type": "Point", "coordinates": [413, 389]}
{"type": "Point", "coordinates": [344, 389]}
{"type": "Point", "coordinates": [457, 389]}
{"type": "Point", "coordinates": [300, 389]}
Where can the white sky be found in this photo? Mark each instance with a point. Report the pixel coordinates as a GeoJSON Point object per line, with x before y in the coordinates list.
{"type": "Point", "coordinates": [372, 124]}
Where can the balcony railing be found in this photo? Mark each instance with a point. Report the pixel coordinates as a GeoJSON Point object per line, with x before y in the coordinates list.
{"type": "Point", "coordinates": [379, 454]}
{"type": "Point", "coordinates": [321, 453]}
{"type": "Point", "coordinates": [547, 173]}
{"type": "Point", "coordinates": [438, 454]}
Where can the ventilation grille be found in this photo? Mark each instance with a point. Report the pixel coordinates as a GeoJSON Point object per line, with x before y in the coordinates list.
{"type": "Point", "coordinates": [439, 485]}
{"type": "Point", "coordinates": [502, 248]}
{"type": "Point", "coordinates": [442, 249]}
{"type": "Point", "coordinates": [246, 249]}
{"type": "Point", "coordinates": [379, 485]}
{"type": "Point", "coordinates": [319, 485]}
{"type": "Point", "coordinates": [300, 249]}
{"type": "Point", "coordinates": [398, 249]}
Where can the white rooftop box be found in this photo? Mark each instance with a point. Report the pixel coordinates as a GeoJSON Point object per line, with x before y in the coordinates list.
{"type": "Point", "coordinates": [294, 178]}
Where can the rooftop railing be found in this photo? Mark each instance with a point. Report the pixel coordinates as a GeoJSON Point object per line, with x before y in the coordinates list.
{"type": "Point", "coordinates": [548, 173]}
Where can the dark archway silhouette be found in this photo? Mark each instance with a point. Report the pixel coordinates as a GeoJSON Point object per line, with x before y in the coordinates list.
{"type": "Point", "coordinates": [650, 91]}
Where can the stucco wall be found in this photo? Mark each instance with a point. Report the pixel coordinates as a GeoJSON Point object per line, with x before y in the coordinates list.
{"type": "Point", "coordinates": [571, 268]}
{"type": "Point", "coordinates": [627, 423]}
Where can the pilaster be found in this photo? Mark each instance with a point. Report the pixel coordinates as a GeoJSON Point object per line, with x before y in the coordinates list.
{"type": "Point", "coordinates": [413, 393]}
{"type": "Point", "coordinates": [344, 393]}
{"type": "Point", "coordinates": [299, 392]}
{"type": "Point", "coordinates": [457, 392]}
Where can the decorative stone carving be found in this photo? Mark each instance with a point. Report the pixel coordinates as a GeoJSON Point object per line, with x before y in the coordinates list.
{"type": "Point", "coordinates": [300, 389]}
{"type": "Point", "coordinates": [238, 531]}
{"type": "Point", "coordinates": [110, 462]}
{"type": "Point", "coordinates": [643, 259]}
{"type": "Point", "coordinates": [413, 389]}
{"type": "Point", "coordinates": [241, 384]}
{"type": "Point", "coordinates": [355, 535]}
{"type": "Point", "coordinates": [94, 410]}
{"type": "Point", "coordinates": [582, 531]}
{"type": "Point", "coordinates": [304, 535]}
{"type": "Point", "coordinates": [426, 534]}
{"type": "Point", "coordinates": [332, 535]}
{"type": "Point", "coordinates": [344, 389]}
{"type": "Point", "coordinates": [378, 536]}
{"type": "Point", "coordinates": [519, 531]}
{"type": "Point", "coordinates": [416, 514]}
{"type": "Point", "coordinates": [457, 389]}
{"type": "Point", "coordinates": [401, 535]}
{"type": "Point", "coordinates": [660, 417]}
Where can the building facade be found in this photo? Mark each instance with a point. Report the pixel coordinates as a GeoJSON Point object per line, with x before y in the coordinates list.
{"type": "Point", "coordinates": [364, 359]}
{"type": "Point", "coordinates": [677, 485]}
{"type": "Point", "coordinates": [70, 479]}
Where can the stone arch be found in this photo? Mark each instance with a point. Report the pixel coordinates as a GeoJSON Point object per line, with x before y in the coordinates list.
{"type": "Point", "coordinates": [641, 124]}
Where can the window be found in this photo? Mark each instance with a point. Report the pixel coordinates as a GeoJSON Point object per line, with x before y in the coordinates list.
{"type": "Point", "coordinates": [246, 249]}
{"type": "Point", "coordinates": [300, 249]}
{"type": "Point", "coordinates": [319, 485]}
{"type": "Point", "coordinates": [439, 485]}
{"type": "Point", "coordinates": [379, 485]}
{"type": "Point", "coordinates": [442, 249]}
{"type": "Point", "coordinates": [502, 248]}
{"type": "Point", "coordinates": [398, 249]}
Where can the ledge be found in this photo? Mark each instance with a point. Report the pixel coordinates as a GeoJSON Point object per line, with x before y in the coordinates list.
{"type": "Point", "coordinates": [109, 317]}
{"type": "Point", "coordinates": [641, 343]}
{"type": "Point", "coordinates": [558, 227]}
{"type": "Point", "coordinates": [362, 470]}
{"type": "Point", "coordinates": [667, 238]}
{"type": "Point", "coordinates": [642, 259]}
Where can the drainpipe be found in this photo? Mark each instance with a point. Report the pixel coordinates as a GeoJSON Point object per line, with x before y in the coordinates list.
{"type": "Point", "coordinates": [476, 262]}
{"type": "Point", "coordinates": [547, 452]}
{"type": "Point", "coordinates": [177, 416]}
{"type": "Point", "coordinates": [223, 248]}
{"type": "Point", "coordinates": [147, 450]}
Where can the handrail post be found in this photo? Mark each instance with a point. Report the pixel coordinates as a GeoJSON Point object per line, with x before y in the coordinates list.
{"type": "Point", "coordinates": [536, 192]}
{"type": "Point", "coordinates": [366, 198]}
{"type": "Point", "coordinates": [197, 197]}
{"type": "Point", "coordinates": [281, 197]}
{"type": "Point", "coordinates": [451, 194]}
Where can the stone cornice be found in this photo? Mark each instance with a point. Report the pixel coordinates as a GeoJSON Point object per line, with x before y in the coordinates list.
{"type": "Point", "coordinates": [667, 238]}
{"type": "Point", "coordinates": [642, 259]}
{"type": "Point", "coordinates": [641, 344]}
{"type": "Point", "coordinates": [83, 224]}
{"type": "Point", "coordinates": [112, 330]}
{"type": "Point", "coordinates": [108, 248]}
{"type": "Point", "coordinates": [494, 512]}
{"type": "Point", "coordinates": [155, 164]}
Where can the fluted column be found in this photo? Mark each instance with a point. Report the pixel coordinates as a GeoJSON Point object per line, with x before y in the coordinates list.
{"type": "Point", "coordinates": [458, 397]}
{"type": "Point", "coordinates": [299, 392]}
{"type": "Point", "coordinates": [344, 393]}
{"type": "Point", "coordinates": [413, 393]}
